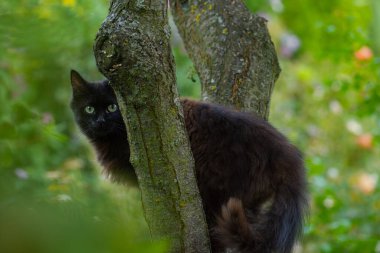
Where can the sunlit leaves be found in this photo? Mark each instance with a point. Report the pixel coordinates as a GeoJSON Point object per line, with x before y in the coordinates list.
{"type": "Point", "coordinates": [69, 3]}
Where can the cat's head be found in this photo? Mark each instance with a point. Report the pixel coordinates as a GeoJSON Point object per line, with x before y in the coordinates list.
{"type": "Point", "coordinates": [95, 108]}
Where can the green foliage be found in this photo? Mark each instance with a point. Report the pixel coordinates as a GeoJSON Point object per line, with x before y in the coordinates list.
{"type": "Point", "coordinates": [326, 101]}
{"type": "Point", "coordinates": [51, 196]}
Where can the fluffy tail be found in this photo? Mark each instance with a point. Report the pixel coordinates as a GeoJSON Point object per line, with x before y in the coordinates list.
{"type": "Point", "coordinates": [273, 229]}
{"type": "Point", "coordinates": [233, 230]}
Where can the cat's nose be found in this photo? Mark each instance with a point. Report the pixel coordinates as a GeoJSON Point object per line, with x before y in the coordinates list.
{"type": "Point", "coordinates": [100, 120]}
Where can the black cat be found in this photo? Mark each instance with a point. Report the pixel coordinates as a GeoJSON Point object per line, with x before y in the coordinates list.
{"type": "Point", "coordinates": [98, 116]}
{"type": "Point", "coordinates": [251, 179]}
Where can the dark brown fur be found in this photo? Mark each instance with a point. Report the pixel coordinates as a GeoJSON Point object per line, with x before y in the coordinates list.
{"type": "Point", "coordinates": [251, 179]}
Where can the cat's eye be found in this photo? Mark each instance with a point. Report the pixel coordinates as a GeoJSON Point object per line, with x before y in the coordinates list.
{"type": "Point", "coordinates": [89, 109]}
{"type": "Point", "coordinates": [112, 108]}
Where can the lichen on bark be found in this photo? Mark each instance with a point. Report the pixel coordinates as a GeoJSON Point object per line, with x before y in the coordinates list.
{"type": "Point", "coordinates": [231, 50]}
{"type": "Point", "coordinates": [132, 50]}
{"type": "Point", "coordinates": [237, 65]}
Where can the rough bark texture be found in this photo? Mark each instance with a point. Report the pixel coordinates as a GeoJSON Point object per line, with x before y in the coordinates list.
{"type": "Point", "coordinates": [132, 50]}
{"type": "Point", "coordinates": [231, 50]}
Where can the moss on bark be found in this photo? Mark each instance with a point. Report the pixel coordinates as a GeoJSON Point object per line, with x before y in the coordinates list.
{"type": "Point", "coordinates": [231, 50]}
{"type": "Point", "coordinates": [237, 64]}
{"type": "Point", "coordinates": [132, 50]}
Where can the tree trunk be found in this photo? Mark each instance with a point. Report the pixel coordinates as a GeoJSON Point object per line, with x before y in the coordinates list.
{"type": "Point", "coordinates": [132, 50]}
{"type": "Point", "coordinates": [231, 50]}
{"type": "Point", "coordinates": [238, 66]}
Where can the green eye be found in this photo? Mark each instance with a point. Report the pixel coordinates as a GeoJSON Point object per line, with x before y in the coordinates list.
{"type": "Point", "coordinates": [112, 108]}
{"type": "Point", "coordinates": [89, 109]}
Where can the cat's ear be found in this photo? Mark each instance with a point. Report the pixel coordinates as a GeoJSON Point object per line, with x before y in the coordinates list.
{"type": "Point", "coordinates": [77, 81]}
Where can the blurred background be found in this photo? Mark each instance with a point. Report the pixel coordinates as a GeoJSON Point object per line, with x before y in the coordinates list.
{"type": "Point", "coordinates": [53, 197]}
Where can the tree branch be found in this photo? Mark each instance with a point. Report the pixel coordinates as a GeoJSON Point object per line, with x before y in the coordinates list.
{"type": "Point", "coordinates": [132, 50]}
{"type": "Point", "coordinates": [231, 50]}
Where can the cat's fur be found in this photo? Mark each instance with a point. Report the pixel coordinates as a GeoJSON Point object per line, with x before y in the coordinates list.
{"type": "Point", "coordinates": [105, 130]}
{"type": "Point", "coordinates": [251, 179]}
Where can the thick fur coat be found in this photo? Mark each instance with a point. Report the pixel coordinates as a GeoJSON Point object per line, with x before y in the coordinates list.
{"type": "Point", "coordinates": [251, 179]}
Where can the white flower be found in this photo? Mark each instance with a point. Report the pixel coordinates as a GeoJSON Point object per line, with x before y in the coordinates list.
{"type": "Point", "coordinates": [336, 107]}
{"type": "Point", "coordinates": [354, 127]}
{"type": "Point", "coordinates": [290, 44]}
{"type": "Point", "coordinates": [377, 248]}
{"type": "Point", "coordinates": [277, 5]}
{"type": "Point", "coordinates": [333, 173]}
{"type": "Point", "coordinates": [329, 202]}
{"type": "Point", "coordinates": [22, 174]}
{"type": "Point", "coordinates": [64, 198]}
{"type": "Point", "coordinates": [313, 130]}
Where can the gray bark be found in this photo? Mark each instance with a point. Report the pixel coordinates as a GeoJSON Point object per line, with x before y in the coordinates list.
{"type": "Point", "coordinates": [231, 50]}
{"type": "Point", "coordinates": [132, 50]}
{"type": "Point", "coordinates": [238, 66]}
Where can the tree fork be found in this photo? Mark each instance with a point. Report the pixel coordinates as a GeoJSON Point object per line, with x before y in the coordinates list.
{"type": "Point", "coordinates": [132, 50]}
{"type": "Point", "coordinates": [232, 52]}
